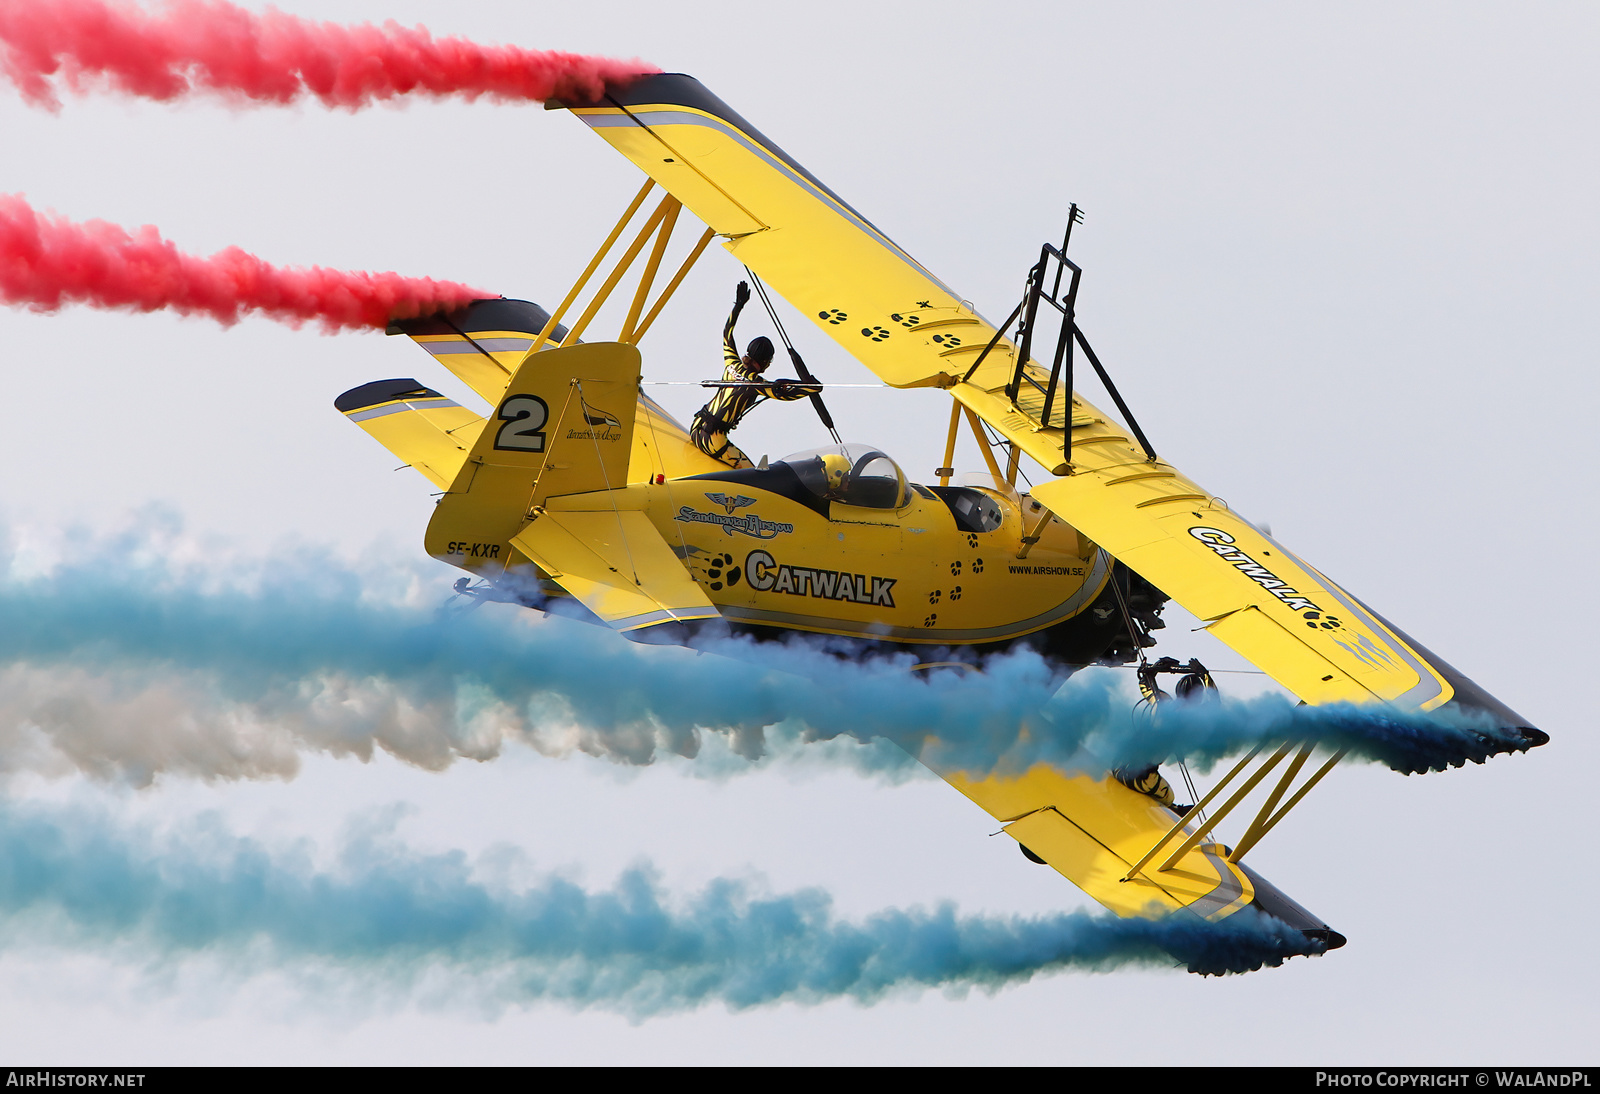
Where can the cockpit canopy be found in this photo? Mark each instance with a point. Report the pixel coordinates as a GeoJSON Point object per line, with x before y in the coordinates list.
{"type": "Point", "coordinates": [854, 474]}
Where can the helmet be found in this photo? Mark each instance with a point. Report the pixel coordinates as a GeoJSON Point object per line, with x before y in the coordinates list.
{"type": "Point", "coordinates": [835, 473]}
{"type": "Point", "coordinates": [1197, 685]}
{"type": "Point", "coordinates": [760, 351]}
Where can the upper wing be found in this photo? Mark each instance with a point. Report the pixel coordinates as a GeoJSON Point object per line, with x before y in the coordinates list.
{"type": "Point", "coordinates": [483, 343]}
{"type": "Point", "coordinates": [823, 257]}
{"type": "Point", "coordinates": [1301, 628]}
{"type": "Point", "coordinates": [911, 329]}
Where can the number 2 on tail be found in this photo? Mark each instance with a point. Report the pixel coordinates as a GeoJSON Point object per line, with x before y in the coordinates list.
{"type": "Point", "coordinates": [525, 417]}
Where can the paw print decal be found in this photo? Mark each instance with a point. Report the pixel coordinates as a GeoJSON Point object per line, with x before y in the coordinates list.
{"type": "Point", "coordinates": [955, 594]}
{"type": "Point", "coordinates": [1318, 621]}
{"type": "Point", "coordinates": [715, 572]}
{"type": "Point", "coordinates": [877, 334]}
{"type": "Point", "coordinates": [972, 540]}
{"type": "Point", "coordinates": [832, 315]}
{"type": "Point", "coordinates": [933, 617]}
{"type": "Point", "coordinates": [955, 569]}
{"type": "Point", "coordinates": [906, 321]}
{"type": "Point", "coordinates": [949, 341]}
{"type": "Point", "coordinates": [933, 597]}
{"type": "Point", "coordinates": [977, 566]}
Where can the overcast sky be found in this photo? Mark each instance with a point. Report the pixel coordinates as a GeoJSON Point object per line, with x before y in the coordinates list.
{"type": "Point", "coordinates": [1342, 263]}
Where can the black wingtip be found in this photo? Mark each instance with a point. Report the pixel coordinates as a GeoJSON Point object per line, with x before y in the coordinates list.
{"type": "Point", "coordinates": [1325, 938]}
{"type": "Point", "coordinates": [382, 391]}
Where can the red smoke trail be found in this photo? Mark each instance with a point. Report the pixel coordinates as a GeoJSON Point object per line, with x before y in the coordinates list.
{"type": "Point", "coordinates": [48, 261]}
{"type": "Point", "coordinates": [210, 46]}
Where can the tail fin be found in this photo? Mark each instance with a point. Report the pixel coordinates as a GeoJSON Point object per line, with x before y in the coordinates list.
{"type": "Point", "coordinates": [484, 342]}
{"type": "Point", "coordinates": [422, 427]}
{"type": "Point", "coordinates": [563, 425]}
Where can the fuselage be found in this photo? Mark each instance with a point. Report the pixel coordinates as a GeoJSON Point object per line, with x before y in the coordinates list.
{"type": "Point", "coordinates": [946, 568]}
{"type": "Point", "coordinates": [885, 563]}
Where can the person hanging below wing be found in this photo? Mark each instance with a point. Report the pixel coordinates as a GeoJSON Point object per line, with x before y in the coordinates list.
{"type": "Point", "coordinates": [1194, 686]}
{"type": "Point", "coordinates": [719, 417]}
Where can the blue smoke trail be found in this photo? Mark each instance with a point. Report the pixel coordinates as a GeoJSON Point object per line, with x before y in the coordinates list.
{"type": "Point", "coordinates": [126, 641]}
{"type": "Point", "coordinates": [386, 914]}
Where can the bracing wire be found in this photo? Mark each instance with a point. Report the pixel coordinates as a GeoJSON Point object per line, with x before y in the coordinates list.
{"type": "Point", "coordinates": [794, 356]}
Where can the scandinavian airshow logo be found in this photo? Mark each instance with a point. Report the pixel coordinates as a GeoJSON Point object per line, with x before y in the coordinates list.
{"type": "Point", "coordinates": [766, 575]}
{"type": "Point", "coordinates": [747, 524]}
{"type": "Point", "coordinates": [1225, 547]}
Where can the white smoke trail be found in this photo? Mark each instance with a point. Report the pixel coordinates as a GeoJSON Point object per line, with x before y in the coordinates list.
{"type": "Point", "coordinates": [125, 664]}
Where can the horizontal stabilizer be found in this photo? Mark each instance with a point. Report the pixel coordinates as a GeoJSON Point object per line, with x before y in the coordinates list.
{"type": "Point", "coordinates": [618, 565]}
{"type": "Point", "coordinates": [429, 432]}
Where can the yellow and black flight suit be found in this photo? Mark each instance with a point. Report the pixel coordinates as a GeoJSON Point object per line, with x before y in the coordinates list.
{"type": "Point", "coordinates": [714, 421]}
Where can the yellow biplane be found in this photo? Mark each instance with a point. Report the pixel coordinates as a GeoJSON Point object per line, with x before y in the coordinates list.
{"type": "Point", "coordinates": [581, 493]}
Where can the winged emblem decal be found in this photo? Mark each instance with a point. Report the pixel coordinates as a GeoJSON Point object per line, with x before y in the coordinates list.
{"type": "Point", "coordinates": [599, 417]}
{"type": "Point", "coordinates": [730, 504]}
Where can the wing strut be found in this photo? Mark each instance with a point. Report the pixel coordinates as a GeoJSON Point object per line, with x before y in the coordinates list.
{"type": "Point", "coordinates": [1116, 396]}
{"type": "Point", "coordinates": [659, 226]}
{"type": "Point", "coordinates": [1264, 821]}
